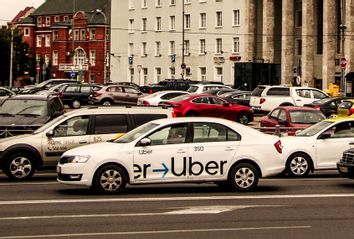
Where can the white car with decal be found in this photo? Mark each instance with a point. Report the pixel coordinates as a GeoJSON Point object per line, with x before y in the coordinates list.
{"type": "Point", "coordinates": [188, 149]}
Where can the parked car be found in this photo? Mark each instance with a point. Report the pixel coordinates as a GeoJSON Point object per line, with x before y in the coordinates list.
{"type": "Point", "coordinates": [293, 118]}
{"type": "Point", "coordinates": [328, 106]}
{"type": "Point", "coordinates": [20, 156]}
{"type": "Point", "coordinates": [219, 91]}
{"type": "Point", "coordinates": [115, 94]}
{"type": "Point", "coordinates": [54, 90]}
{"type": "Point", "coordinates": [128, 84]}
{"type": "Point", "coordinates": [209, 105]}
{"type": "Point", "coordinates": [160, 96]}
{"type": "Point", "coordinates": [346, 108]}
{"type": "Point", "coordinates": [45, 85]}
{"type": "Point", "coordinates": [266, 98]}
{"type": "Point", "coordinates": [317, 147]}
{"type": "Point", "coordinates": [202, 88]}
{"type": "Point", "coordinates": [237, 97]}
{"type": "Point", "coordinates": [22, 114]}
{"type": "Point", "coordinates": [345, 165]}
{"type": "Point", "coordinates": [169, 84]}
{"type": "Point", "coordinates": [76, 95]}
{"type": "Point", "coordinates": [5, 93]}
{"type": "Point", "coordinates": [223, 152]}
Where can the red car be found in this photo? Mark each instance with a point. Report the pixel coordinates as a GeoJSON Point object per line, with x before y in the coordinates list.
{"type": "Point", "coordinates": [209, 105]}
{"type": "Point", "coordinates": [293, 118]}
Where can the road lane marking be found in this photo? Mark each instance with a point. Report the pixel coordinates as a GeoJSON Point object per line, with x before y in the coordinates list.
{"type": "Point", "coordinates": [156, 199]}
{"type": "Point", "coordinates": [95, 234]}
{"type": "Point", "coordinates": [180, 211]}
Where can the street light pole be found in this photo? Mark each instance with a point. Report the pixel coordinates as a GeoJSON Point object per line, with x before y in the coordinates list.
{"type": "Point", "coordinates": [99, 11]}
{"type": "Point", "coordinates": [11, 56]}
{"type": "Point", "coordinates": [182, 64]}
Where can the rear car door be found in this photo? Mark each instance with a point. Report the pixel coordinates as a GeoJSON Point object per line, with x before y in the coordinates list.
{"type": "Point", "coordinates": [131, 95]}
{"type": "Point", "coordinates": [212, 149]}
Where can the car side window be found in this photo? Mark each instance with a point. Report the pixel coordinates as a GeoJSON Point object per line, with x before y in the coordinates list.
{"type": "Point", "coordinates": [130, 90]}
{"type": "Point", "coordinates": [343, 130]}
{"type": "Point", "coordinates": [279, 91]}
{"type": "Point", "coordinates": [212, 132]}
{"type": "Point", "coordinates": [85, 89]}
{"type": "Point", "coordinates": [318, 94]}
{"type": "Point", "coordinates": [140, 119]}
{"type": "Point", "coordinates": [72, 89]}
{"type": "Point", "coordinates": [109, 124]}
{"type": "Point", "coordinates": [274, 114]}
{"type": "Point", "coordinates": [282, 115]}
{"type": "Point", "coordinates": [172, 134]}
{"type": "Point", "coordinates": [75, 126]}
{"type": "Point", "coordinates": [216, 101]}
{"type": "Point", "coordinates": [304, 93]}
{"type": "Point", "coordinates": [201, 100]}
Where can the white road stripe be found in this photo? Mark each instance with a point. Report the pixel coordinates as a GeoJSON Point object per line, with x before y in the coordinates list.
{"type": "Point", "coordinates": [106, 200]}
{"type": "Point", "coordinates": [156, 232]}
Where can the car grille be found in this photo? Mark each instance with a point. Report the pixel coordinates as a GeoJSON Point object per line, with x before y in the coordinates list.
{"type": "Point", "coordinates": [348, 157]}
{"type": "Point", "coordinates": [65, 159]}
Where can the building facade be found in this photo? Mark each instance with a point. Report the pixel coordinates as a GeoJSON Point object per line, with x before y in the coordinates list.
{"type": "Point", "coordinates": [70, 39]}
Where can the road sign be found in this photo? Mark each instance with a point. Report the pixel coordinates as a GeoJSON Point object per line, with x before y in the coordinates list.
{"type": "Point", "coordinates": [343, 62]}
{"type": "Point", "coordinates": [72, 74]}
{"type": "Point", "coordinates": [235, 58]}
{"type": "Point", "coordinates": [130, 60]}
{"type": "Point", "coordinates": [183, 66]}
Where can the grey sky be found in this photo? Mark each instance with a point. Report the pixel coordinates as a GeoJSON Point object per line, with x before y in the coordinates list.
{"type": "Point", "coordinates": [10, 8]}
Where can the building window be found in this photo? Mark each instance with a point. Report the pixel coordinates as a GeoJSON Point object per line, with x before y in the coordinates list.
{"type": "Point", "coordinates": [39, 40]}
{"type": "Point", "coordinates": [39, 21]}
{"type": "Point", "coordinates": [79, 57]}
{"type": "Point", "coordinates": [172, 47]}
{"type": "Point", "coordinates": [219, 19]}
{"type": "Point", "coordinates": [66, 18]}
{"type": "Point", "coordinates": [202, 73]}
{"type": "Point", "coordinates": [55, 35]}
{"type": "Point", "coordinates": [83, 35]}
{"type": "Point", "coordinates": [202, 49]}
{"type": "Point", "coordinates": [187, 1]}
{"type": "Point", "coordinates": [219, 46]}
{"type": "Point", "coordinates": [186, 48]}
{"type": "Point", "coordinates": [47, 40]}
{"type": "Point", "coordinates": [172, 2]}
{"type": "Point", "coordinates": [26, 32]}
{"type": "Point", "coordinates": [158, 24]}
{"type": "Point", "coordinates": [92, 34]}
{"type": "Point", "coordinates": [76, 35]}
{"type": "Point", "coordinates": [92, 57]}
{"type": "Point", "coordinates": [143, 24]}
{"type": "Point", "coordinates": [47, 21]}
{"type": "Point", "coordinates": [55, 58]}
{"type": "Point", "coordinates": [131, 73]}
{"type": "Point", "coordinates": [219, 74]}
{"type": "Point", "coordinates": [157, 48]}
{"type": "Point", "coordinates": [131, 26]}
{"type": "Point", "coordinates": [46, 59]}
{"type": "Point", "coordinates": [131, 49]}
{"type": "Point", "coordinates": [172, 23]}
{"type": "Point", "coordinates": [131, 5]}
{"type": "Point", "coordinates": [172, 72]}
{"type": "Point", "coordinates": [202, 1]}
{"type": "Point", "coordinates": [298, 18]}
{"type": "Point", "coordinates": [299, 47]}
{"type": "Point", "coordinates": [187, 21]}
{"type": "Point", "coordinates": [157, 74]}
{"type": "Point", "coordinates": [144, 4]}
{"type": "Point", "coordinates": [158, 3]}
{"type": "Point", "coordinates": [143, 49]}
{"type": "Point", "coordinates": [236, 18]}
{"type": "Point", "coordinates": [203, 22]}
{"type": "Point", "coordinates": [56, 19]}
{"type": "Point", "coordinates": [236, 48]}
{"type": "Point", "coordinates": [145, 75]}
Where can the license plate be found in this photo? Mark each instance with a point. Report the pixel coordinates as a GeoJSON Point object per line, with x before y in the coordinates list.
{"type": "Point", "coordinates": [58, 169]}
{"type": "Point", "coordinates": [343, 169]}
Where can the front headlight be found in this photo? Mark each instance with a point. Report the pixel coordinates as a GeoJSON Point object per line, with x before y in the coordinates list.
{"type": "Point", "coordinates": [79, 159]}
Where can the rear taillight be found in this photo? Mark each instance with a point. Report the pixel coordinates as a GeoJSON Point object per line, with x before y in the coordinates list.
{"type": "Point", "coordinates": [146, 102]}
{"type": "Point", "coordinates": [95, 94]}
{"type": "Point", "coordinates": [61, 95]}
{"type": "Point", "coordinates": [150, 92]}
{"type": "Point", "coordinates": [351, 111]}
{"type": "Point", "coordinates": [262, 100]}
{"type": "Point", "coordinates": [278, 146]}
{"type": "Point", "coordinates": [174, 115]}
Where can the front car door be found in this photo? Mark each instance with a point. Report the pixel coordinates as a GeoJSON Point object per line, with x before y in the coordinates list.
{"type": "Point", "coordinates": [131, 95]}
{"type": "Point", "coordinates": [165, 159]}
{"type": "Point", "coordinates": [211, 151]}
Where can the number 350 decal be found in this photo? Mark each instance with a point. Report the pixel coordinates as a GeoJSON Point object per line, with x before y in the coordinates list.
{"type": "Point", "coordinates": [198, 148]}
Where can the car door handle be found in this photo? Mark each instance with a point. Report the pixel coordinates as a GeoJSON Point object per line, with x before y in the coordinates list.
{"type": "Point", "coordinates": [181, 151]}
{"type": "Point", "coordinates": [83, 142]}
{"type": "Point", "coordinates": [229, 149]}
{"type": "Point", "coordinates": [298, 100]}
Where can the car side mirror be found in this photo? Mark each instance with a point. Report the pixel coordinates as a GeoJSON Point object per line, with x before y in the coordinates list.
{"type": "Point", "coordinates": [50, 133]}
{"type": "Point", "coordinates": [284, 122]}
{"type": "Point", "coordinates": [325, 135]}
{"type": "Point", "coordinates": [56, 114]}
{"type": "Point", "coordinates": [145, 142]}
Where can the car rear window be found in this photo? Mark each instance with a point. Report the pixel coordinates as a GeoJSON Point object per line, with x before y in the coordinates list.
{"type": "Point", "coordinates": [279, 91]}
{"type": "Point", "coordinates": [258, 91]}
{"type": "Point", "coordinates": [109, 124]}
{"type": "Point", "coordinates": [345, 104]}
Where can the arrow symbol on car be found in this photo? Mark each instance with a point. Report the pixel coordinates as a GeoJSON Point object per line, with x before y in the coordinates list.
{"type": "Point", "coordinates": [164, 170]}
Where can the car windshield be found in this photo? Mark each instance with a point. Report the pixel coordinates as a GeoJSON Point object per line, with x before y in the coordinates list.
{"type": "Point", "coordinates": [136, 133]}
{"type": "Point", "coordinates": [192, 89]}
{"type": "Point", "coordinates": [24, 107]}
{"type": "Point", "coordinates": [180, 98]}
{"type": "Point", "coordinates": [49, 124]}
{"type": "Point", "coordinates": [42, 84]}
{"type": "Point", "coordinates": [314, 129]}
{"type": "Point", "coordinates": [306, 116]}
{"type": "Point", "coordinates": [322, 101]}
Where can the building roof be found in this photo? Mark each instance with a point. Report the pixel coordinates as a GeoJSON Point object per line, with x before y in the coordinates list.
{"type": "Point", "coordinates": [21, 15]}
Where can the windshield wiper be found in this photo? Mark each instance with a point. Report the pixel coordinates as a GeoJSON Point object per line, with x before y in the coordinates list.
{"type": "Point", "coordinates": [7, 114]}
{"type": "Point", "coordinates": [29, 115]}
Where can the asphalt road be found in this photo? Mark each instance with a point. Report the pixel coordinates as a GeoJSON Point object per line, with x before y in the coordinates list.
{"type": "Point", "coordinates": [320, 206]}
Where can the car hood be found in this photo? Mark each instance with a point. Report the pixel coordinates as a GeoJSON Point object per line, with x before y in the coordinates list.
{"type": "Point", "coordinates": [20, 120]}
{"type": "Point", "coordinates": [15, 139]}
{"type": "Point", "coordinates": [103, 148]}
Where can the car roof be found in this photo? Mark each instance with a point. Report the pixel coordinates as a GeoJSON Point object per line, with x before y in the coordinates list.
{"type": "Point", "coordinates": [193, 119]}
{"type": "Point", "coordinates": [31, 97]}
{"type": "Point", "coordinates": [339, 119]}
{"type": "Point", "coordinates": [289, 108]}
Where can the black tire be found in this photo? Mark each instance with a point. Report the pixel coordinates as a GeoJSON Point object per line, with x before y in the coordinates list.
{"type": "Point", "coordinates": [243, 177]}
{"type": "Point", "coordinates": [107, 102]}
{"type": "Point", "coordinates": [19, 166]}
{"type": "Point", "coordinates": [109, 179]}
{"type": "Point", "coordinates": [298, 165]}
{"type": "Point", "coordinates": [75, 104]}
{"type": "Point", "coordinates": [243, 118]}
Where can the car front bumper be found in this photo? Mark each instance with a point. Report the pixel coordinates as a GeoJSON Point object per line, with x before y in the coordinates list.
{"type": "Point", "coordinates": [73, 173]}
{"type": "Point", "coordinates": [346, 170]}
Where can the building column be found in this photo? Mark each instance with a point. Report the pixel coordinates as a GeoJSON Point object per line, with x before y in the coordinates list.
{"type": "Point", "coordinates": [349, 38]}
{"type": "Point", "coordinates": [329, 43]}
{"type": "Point", "coordinates": [287, 42]}
{"type": "Point", "coordinates": [250, 51]}
{"type": "Point", "coordinates": [268, 31]}
{"type": "Point", "coordinates": [308, 42]}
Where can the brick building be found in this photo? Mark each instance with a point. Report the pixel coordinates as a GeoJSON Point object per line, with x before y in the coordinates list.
{"type": "Point", "coordinates": [69, 39]}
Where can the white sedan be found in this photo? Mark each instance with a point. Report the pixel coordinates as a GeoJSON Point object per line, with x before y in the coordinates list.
{"type": "Point", "coordinates": [318, 147]}
{"type": "Point", "coordinates": [160, 96]}
{"type": "Point", "coordinates": [188, 149]}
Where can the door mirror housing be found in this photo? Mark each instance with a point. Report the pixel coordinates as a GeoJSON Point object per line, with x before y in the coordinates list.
{"type": "Point", "coordinates": [325, 135]}
{"type": "Point", "coordinates": [145, 142]}
{"type": "Point", "coordinates": [283, 122]}
{"type": "Point", "coordinates": [49, 133]}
